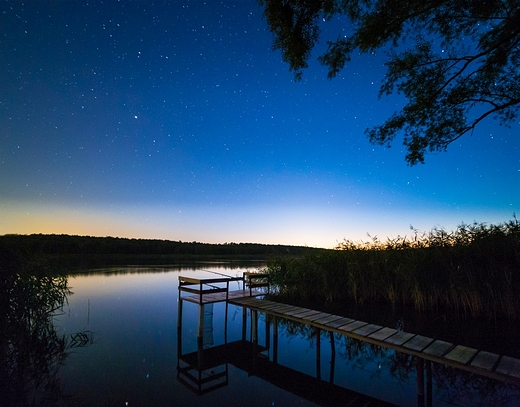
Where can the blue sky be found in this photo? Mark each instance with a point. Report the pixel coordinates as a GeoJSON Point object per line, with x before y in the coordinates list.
{"type": "Point", "coordinates": [177, 120]}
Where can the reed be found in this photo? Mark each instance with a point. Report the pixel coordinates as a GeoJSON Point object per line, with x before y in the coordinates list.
{"type": "Point", "coordinates": [31, 348]}
{"type": "Point", "coordinates": [473, 271]}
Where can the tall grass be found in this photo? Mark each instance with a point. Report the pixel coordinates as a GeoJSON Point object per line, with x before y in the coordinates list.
{"type": "Point", "coordinates": [474, 271]}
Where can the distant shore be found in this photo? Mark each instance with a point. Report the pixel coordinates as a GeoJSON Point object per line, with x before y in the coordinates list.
{"type": "Point", "coordinates": [69, 253]}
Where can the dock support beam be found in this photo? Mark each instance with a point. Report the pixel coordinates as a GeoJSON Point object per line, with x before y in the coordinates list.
{"type": "Point", "coordinates": [318, 353]}
{"type": "Point", "coordinates": [332, 357]}
{"type": "Point", "coordinates": [226, 323]}
{"type": "Point", "coordinates": [254, 326]}
{"type": "Point", "coordinates": [268, 331]}
{"type": "Point", "coordinates": [244, 323]}
{"type": "Point", "coordinates": [275, 340]}
{"type": "Point", "coordinates": [429, 385]}
{"type": "Point", "coordinates": [420, 381]}
{"type": "Point", "coordinates": [179, 327]}
{"type": "Point", "coordinates": [200, 334]}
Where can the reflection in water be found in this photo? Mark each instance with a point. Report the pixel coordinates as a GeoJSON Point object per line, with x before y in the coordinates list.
{"type": "Point", "coordinates": [31, 351]}
{"type": "Point", "coordinates": [452, 386]}
{"type": "Point", "coordinates": [141, 360]}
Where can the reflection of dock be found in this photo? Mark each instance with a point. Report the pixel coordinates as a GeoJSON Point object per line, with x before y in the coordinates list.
{"type": "Point", "coordinates": [245, 356]}
{"type": "Point", "coordinates": [424, 349]}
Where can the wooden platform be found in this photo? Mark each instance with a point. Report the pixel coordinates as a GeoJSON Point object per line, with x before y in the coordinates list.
{"type": "Point", "coordinates": [484, 363]}
{"type": "Point", "coordinates": [210, 298]}
{"type": "Point", "coordinates": [210, 290]}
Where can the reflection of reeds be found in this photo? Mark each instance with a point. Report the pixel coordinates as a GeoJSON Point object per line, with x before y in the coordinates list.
{"type": "Point", "coordinates": [80, 339]}
{"type": "Point", "coordinates": [459, 386]}
{"type": "Point", "coordinates": [473, 271]}
{"type": "Point", "coordinates": [31, 350]}
{"type": "Point", "coordinates": [455, 386]}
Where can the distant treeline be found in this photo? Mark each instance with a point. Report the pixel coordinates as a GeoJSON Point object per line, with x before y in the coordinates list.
{"type": "Point", "coordinates": [79, 251]}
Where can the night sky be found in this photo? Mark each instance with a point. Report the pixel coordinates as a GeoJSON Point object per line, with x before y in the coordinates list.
{"type": "Point", "coordinates": [178, 121]}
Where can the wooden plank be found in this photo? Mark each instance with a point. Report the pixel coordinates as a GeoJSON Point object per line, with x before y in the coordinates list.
{"type": "Point", "coordinates": [418, 343]}
{"type": "Point", "coordinates": [315, 317]}
{"type": "Point", "coordinates": [353, 325]}
{"type": "Point", "coordinates": [214, 297]}
{"type": "Point", "coordinates": [383, 333]}
{"type": "Point", "coordinates": [340, 322]}
{"type": "Point", "coordinates": [245, 297]}
{"type": "Point", "coordinates": [307, 313]}
{"type": "Point", "coordinates": [274, 305]}
{"type": "Point", "coordinates": [190, 299]}
{"type": "Point", "coordinates": [270, 306]}
{"type": "Point", "coordinates": [461, 354]}
{"type": "Point", "coordinates": [279, 308]}
{"type": "Point", "coordinates": [188, 280]}
{"type": "Point", "coordinates": [438, 348]}
{"type": "Point", "coordinates": [325, 321]}
{"type": "Point", "coordinates": [285, 310]}
{"type": "Point", "coordinates": [189, 290]}
{"type": "Point", "coordinates": [267, 304]}
{"type": "Point", "coordinates": [509, 366]}
{"type": "Point", "coordinates": [399, 338]}
{"type": "Point", "coordinates": [193, 281]}
{"type": "Point", "coordinates": [299, 311]}
{"type": "Point", "coordinates": [367, 329]}
{"type": "Point", "coordinates": [485, 360]}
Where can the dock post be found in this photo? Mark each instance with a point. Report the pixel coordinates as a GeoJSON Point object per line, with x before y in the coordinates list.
{"type": "Point", "coordinates": [254, 326]}
{"type": "Point", "coordinates": [275, 340]}
{"type": "Point", "coordinates": [318, 353]}
{"type": "Point", "coordinates": [244, 322]}
{"type": "Point", "coordinates": [429, 386]}
{"type": "Point", "coordinates": [420, 381]}
{"type": "Point", "coordinates": [267, 331]}
{"type": "Point", "coordinates": [332, 357]}
{"type": "Point", "coordinates": [225, 322]}
{"type": "Point", "coordinates": [200, 334]}
{"type": "Point", "coordinates": [200, 329]}
{"type": "Point", "coordinates": [179, 327]}
{"type": "Point", "coordinates": [254, 336]}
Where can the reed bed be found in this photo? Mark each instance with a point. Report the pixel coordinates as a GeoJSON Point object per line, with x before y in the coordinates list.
{"type": "Point", "coordinates": [472, 271]}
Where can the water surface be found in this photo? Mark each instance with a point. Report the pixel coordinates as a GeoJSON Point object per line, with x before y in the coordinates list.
{"type": "Point", "coordinates": [132, 356]}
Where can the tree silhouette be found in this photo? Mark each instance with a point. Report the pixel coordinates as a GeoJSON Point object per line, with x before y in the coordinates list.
{"type": "Point", "coordinates": [457, 62]}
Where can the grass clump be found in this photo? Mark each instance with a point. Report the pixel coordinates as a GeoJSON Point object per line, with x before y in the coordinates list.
{"type": "Point", "coordinates": [473, 271]}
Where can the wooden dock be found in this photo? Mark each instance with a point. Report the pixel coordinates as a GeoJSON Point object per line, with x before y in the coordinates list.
{"type": "Point", "coordinates": [481, 362]}
{"type": "Point", "coordinates": [206, 369]}
{"type": "Point", "coordinates": [500, 367]}
{"type": "Point", "coordinates": [210, 290]}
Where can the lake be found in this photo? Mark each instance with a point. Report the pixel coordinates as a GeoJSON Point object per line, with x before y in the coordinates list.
{"type": "Point", "coordinates": [128, 354]}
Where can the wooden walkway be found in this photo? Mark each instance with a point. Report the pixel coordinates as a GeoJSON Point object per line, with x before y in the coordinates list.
{"type": "Point", "coordinates": [492, 365]}
{"type": "Point", "coordinates": [504, 368]}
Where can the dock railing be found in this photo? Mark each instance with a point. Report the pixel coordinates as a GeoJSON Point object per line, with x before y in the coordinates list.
{"type": "Point", "coordinates": [205, 290]}
{"type": "Point", "coordinates": [254, 280]}
{"type": "Point", "coordinates": [204, 286]}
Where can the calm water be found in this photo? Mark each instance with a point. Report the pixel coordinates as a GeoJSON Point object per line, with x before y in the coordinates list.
{"type": "Point", "coordinates": [131, 357]}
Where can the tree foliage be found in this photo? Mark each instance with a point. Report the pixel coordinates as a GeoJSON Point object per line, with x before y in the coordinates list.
{"type": "Point", "coordinates": [457, 62]}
